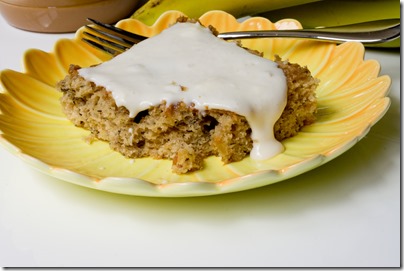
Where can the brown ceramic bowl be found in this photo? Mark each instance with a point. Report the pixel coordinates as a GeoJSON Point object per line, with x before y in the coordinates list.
{"type": "Point", "coordinates": [57, 16]}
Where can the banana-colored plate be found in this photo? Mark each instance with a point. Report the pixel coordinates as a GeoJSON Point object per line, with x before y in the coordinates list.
{"type": "Point", "coordinates": [351, 98]}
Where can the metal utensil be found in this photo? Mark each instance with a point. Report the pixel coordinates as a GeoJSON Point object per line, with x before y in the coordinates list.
{"type": "Point", "coordinates": [114, 40]}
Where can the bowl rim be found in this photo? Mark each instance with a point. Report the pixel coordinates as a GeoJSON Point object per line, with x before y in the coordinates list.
{"type": "Point", "coordinates": [49, 3]}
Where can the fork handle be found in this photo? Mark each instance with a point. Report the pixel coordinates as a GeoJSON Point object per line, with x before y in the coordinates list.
{"type": "Point", "coordinates": [369, 37]}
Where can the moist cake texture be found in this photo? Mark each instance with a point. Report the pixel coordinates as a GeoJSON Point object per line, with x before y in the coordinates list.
{"type": "Point", "coordinates": [180, 129]}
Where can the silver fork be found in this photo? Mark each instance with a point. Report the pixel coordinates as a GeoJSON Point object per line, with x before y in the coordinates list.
{"type": "Point", "coordinates": [114, 40]}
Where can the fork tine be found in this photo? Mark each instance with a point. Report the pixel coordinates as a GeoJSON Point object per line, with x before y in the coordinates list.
{"type": "Point", "coordinates": [125, 34]}
{"type": "Point", "coordinates": [106, 49]}
{"type": "Point", "coordinates": [107, 42]}
{"type": "Point", "coordinates": [111, 37]}
{"type": "Point", "coordinates": [108, 38]}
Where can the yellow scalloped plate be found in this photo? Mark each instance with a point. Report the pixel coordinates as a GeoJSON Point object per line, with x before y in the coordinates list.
{"type": "Point", "coordinates": [351, 98]}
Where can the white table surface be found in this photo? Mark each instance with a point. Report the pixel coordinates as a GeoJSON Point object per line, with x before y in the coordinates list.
{"type": "Point", "coordinates": [344, 214]}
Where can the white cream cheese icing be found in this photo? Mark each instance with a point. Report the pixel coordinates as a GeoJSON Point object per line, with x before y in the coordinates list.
{"type": "Point", "coordinates": [187, 63]}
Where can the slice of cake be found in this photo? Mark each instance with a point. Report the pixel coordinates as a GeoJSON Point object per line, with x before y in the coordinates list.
{"type": "Point", "coordinates": [185, 95]}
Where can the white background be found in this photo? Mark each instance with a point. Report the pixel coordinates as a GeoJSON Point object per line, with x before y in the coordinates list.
{"type": "Point", "coordinates": [343, 214]}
